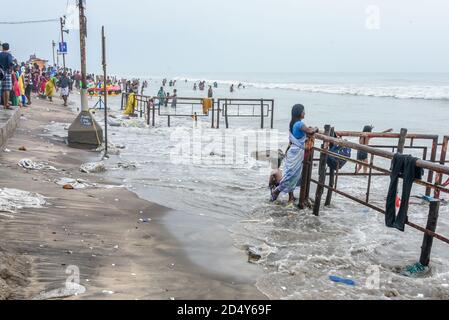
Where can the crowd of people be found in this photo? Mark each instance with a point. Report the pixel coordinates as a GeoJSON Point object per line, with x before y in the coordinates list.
{"type": "Point", "coordinates": [23, 81]}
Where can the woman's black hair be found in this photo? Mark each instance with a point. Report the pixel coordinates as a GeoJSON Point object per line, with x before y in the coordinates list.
{"type": "Point", "coordinates": [368, 129]}
{"type": "Point", "coordinates": [296, 115]}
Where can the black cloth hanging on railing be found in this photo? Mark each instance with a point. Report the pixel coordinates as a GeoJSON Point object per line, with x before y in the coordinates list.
{"type": "Point", "coordinates": [402, 166]}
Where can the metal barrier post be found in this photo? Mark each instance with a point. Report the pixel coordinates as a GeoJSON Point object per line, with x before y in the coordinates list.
{"type": "Point", "coordinates": [439, 178]}
{"type": "Point", "coordinates": [226, 114]}
{"type": "Point", "coordinates": [322, 174]}
{"type": "Point", "coordinates": [213, 113]}
{"type": "Point", "coordinates": [218, 113]}
{"type": "Point", "coordinates": [432, 221]}
{"type": "Point", "coordinates": [169, 121]}
{"type": "Point", "coordinates": [331, 179]}
{"type": "Point", "coordinates": [433, 158]}
{"type": "Point", "coordinates": [261, 114]}
{"type": "Point", "coordinates": [272, 114]}
{"type": "Point", "coordinates": [154, 115]}
{"type": "Point", "coordinates": [148, 113]}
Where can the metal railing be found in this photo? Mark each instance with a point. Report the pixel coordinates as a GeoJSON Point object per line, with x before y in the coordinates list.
{"type": "Point", "coordinates": [332, 186]}
{"type": "Point", "coordinates": [150, 107]}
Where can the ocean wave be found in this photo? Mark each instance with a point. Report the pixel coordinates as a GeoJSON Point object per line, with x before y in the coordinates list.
{"type": "Point", "coordinates": [423, 92]}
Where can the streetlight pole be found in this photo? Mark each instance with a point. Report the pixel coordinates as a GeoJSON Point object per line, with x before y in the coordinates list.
{"type": "Point", "coordinates": [62, 20]}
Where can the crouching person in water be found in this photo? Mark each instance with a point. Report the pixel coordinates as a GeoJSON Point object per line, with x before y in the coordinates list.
{"type": "Point", "coordinates": [294, 158]}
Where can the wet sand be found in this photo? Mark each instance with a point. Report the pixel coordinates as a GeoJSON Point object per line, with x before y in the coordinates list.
{"type": "Point", "coordinates": [96, 230]}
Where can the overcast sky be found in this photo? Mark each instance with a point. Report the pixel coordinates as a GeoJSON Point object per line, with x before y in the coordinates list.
{"type": "Point", "coordinates": [158, 36]}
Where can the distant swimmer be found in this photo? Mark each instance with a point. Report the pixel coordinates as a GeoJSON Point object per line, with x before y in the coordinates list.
{"type": "Point", "coordinates": [195, 87]}
{"type": "Point", "coordinates": [166, 99]}
{"type": "Point", "coordinates": [294, 160]}
{"type": "Point", "coordinates": [210, 93]}
{"type": "Point", "coordinates": [174, 98]}
{"type": "Point", "coordinates": [215, 85]}
{"type": "Point", "coordinates": [240, 85]}
{"type": "Point", "coordinates": [232, 88]}
{"type": "Point", "coordinates": [364, 140]}
{"type": "Point", "coordinates": [161, 96]}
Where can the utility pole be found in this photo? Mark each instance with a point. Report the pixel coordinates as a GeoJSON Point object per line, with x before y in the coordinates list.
{"type": "Point", "coordinates": [62, 20]}
{"type": "Point", "coordinates": [105, 88]}
{"type": "Point", "coordinates": [83, 35]}
{"type": "Point", "coordinates": [84, 132]}
{"type": "Point", "coordinates": [54, 46]}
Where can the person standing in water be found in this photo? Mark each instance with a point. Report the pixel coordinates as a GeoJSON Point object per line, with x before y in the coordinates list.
{"type": "Point", "coordinates": [161, 96]}
{"type": "Point", "coordinates": [174, 98]}
{"type": "Point", "coordinates": [210, 93]}
{"type": "Point", "coordinates": [295, 155]}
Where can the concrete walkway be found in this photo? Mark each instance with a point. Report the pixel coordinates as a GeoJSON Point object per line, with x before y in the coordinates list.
{"type": "Point", "coordinates": [9, 120]}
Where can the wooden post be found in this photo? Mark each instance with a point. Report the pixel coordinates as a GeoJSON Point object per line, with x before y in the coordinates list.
{"type": "Point", "coordinates": [322, 174]}
{"type": "Point", "coordinates": [432, 221]}
{"type": "Point", "coordinates": [402, 139]}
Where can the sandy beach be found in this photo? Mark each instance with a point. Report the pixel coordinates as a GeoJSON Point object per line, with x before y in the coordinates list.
{"type": "Point", "coordinates": [100, 231]}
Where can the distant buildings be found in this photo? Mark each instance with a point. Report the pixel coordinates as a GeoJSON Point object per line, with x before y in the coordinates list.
{"type": "Point", "coordinates": [40, 62]}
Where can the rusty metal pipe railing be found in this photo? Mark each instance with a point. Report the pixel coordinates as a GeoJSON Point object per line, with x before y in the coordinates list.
{"type": "Point", "coordinates": [382, 153]}
{"type": "Point", "coordinates": [431, 166]}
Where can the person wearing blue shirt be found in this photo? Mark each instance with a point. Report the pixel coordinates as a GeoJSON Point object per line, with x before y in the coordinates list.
{"type": "Point", "coordinates": [6, 64]}
{"type": "Point", "coordinates": [295, 155]}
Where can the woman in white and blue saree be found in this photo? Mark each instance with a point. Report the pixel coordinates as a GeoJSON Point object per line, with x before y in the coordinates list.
{"type": "Point", "coordinates": [294, 159]}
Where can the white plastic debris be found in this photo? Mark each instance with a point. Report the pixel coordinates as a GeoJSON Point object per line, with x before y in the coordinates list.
{"type": "Point", "coordinates": [12, 200]}
{"type": "Point", "coordinates": [108, 292]}
{"type": "Point", "coordinates": [76, 184]}
{"type": "Point", "coordinates": [31, 165]}
{"type": "Point", "coordinates": [93, 167]}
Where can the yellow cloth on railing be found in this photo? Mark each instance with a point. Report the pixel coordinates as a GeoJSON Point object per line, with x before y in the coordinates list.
{"type": "Point", "coordinates": [207, 105]}
{"type": "Point", "coordinates": [131, 105]}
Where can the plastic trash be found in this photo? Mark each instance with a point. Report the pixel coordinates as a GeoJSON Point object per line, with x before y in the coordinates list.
{"type": "Point", "coordinates": [95, 167]}
{"type": "Point", "coordinates": [348, 282]}
{"type": "Point", "coordinates": [415, 270]}
{"type": "Point", "coordinates": [31, 165]}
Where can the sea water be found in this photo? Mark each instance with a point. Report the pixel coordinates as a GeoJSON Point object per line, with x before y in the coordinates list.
{"type": "Point", "coordinates": [221, 204]}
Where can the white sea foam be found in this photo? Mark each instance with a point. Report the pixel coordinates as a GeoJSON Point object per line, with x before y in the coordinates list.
{"type": "Point", "coordinates": [425, 92]}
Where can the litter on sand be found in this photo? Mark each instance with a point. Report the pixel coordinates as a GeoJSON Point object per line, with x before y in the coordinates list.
{"type": "Point", "coordinates": [348, 282]}
{"type": "Point", "coordinates": [94, 167]}
{"type": "Point", "coordinates": [77, 184]}
{"type": "Point", "coordinates": [12, 200]}
{"type": "Point", "coordinates": [32, 165]}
